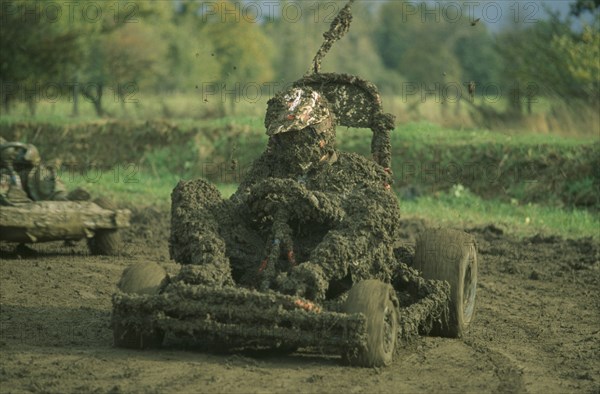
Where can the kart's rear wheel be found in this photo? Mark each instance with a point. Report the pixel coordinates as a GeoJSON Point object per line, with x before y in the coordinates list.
{"type": "Point", "coordinates": [450, 255]}
{"type": "Point", "coordinates": [105, 242]}
{"type": "Point", "coordinates": [140, 278]}
{"type": "Point", "coordinates": [377, 301]}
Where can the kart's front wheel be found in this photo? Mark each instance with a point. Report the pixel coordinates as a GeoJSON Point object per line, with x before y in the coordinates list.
{"type": "Point", "coordinates": [377, 301]}
{"type": "Point", "coordinates": [142, 279]}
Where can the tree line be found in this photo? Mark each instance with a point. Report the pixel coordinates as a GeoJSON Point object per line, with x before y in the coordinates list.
{"type": "Point", "coordinates": [93, 49]}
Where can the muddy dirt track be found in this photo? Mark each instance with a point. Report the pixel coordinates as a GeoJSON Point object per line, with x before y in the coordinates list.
{"type": "Point", "coordinates": [537, 328]}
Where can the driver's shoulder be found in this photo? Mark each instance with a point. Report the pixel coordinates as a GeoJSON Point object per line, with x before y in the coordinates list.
{"type": "Point", "coordinates": [353, 163]}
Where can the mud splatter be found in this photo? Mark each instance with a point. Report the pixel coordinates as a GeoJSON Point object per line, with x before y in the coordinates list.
{"type": "Point", "coordinates": [339, 26]}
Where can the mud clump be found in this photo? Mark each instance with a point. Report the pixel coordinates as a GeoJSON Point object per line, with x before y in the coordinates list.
{"type": "Point", "coordinates": [195, 238]}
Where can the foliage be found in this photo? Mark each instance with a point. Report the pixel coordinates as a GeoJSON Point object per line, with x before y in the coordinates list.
{"type": "Point", "coordinates": [426, 159]}
{"type": "Point", "coordinates": [448, 50]}
{"type": "Point", "coordinates": [35, 49]}
{"type": "Point", "coordinates": [581, 6]}
{"type": "Point", "coordinates": [445, 209]}
{"type": "Point", "coordinates": [219, 51]}
{"type": "Point", "coordinates": [465, 209]}
{"type": "Point", "coordinates": [189, 59]}
{"type": "Point", "coordinates": [565, 65]}
{"type": "Point", "coordinates": [133, 54]}
{"type": "Point", "coordinates": [581, 55]}
{"type": "Point", "coordinates": [241, 48]}
{"type": "Point", "coordinates": [478, 58]}
{"type": "Point", "coordinates": [295, 41]}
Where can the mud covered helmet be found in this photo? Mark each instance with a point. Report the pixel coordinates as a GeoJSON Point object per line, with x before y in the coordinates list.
{"type": "Point", "coordinates": [296, 109]}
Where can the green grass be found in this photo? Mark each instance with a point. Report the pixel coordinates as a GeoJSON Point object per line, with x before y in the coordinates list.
{"type": "Point", "coordinates": [548, 113]}
{"type": "Point", "coordinates": [140, 188]}
{"type": "Point", "coordinates": [142, 106]}
{"type": "Point", "coordinates": [456, 208]}
{"type": "Point", "coordinates": [192, 110]}
{"type": "Point", "coordinates": [460, 208]}
{"type": "Point", "coordinates": [161, 167]}
{"type": "Point", "coordinates": [432, 134]}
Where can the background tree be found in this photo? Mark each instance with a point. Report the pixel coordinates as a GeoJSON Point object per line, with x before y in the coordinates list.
{"type": "Point", "coordinates": [416, 45]}
{"type": "Point", "coordinates": [580, 7]}
{"type": "Point", "coordinates": [36, 45]}
{"type": "Point", "coordinates": [540, 65]}
{"type": "Point", "coordinates": [581, 54]}
{"type": "Point", "coordinates": [242, 50]}
{"type": "Point", "coordinates": [360, 44]}
{"type": "Point", "coordinates": [134, 59]}
{"type": "Point", "coordinates": [295, 41]}
{"type": "Point", "coordinates": [395, 31]}
{"type": "Point", "coordinates": [123, 50]}
{"type": "Point", "coordinates": [478, 58]}
{"type": "Point", "coordinates": [190, 57]}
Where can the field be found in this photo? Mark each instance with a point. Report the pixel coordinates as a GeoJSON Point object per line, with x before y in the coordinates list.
{"type": "Point", "coordinates": [537, 319]}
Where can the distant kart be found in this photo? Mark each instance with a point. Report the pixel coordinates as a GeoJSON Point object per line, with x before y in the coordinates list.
{"type": "Point", "coordinates": [43, 221]}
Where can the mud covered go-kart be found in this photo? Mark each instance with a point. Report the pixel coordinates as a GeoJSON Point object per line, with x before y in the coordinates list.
{"type": "Point", "coordinates": [387, 293]}
{"type": "Point", "coordinates": [365, 326]}
{"type": "Point", "coordinates": [43, 221]}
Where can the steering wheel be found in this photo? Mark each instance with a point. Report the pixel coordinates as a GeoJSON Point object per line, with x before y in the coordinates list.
{"type": "Point", "coordinates": [272, 195]}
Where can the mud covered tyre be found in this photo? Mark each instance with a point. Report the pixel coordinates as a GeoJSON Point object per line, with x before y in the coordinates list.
{"type": "Point", "coordinates": [378, 302]}
{"type": "Point", "coordinates": [105, 242]}
{"type": "Point", "coordinates": [140, 278]}
{"type": "Point", "coordinates": [450, 255]}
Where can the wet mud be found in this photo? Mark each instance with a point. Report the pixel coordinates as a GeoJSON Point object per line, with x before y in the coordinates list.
{"type": "Point", "coordinates": [535, 328]}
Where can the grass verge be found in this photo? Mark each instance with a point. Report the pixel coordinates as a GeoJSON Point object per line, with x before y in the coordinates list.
{"type": "Point", "coordinates": [457, 207]}
{"type": "Point", "coordinates": [460, 208]}
{"type": "Point", "coordinates": [529, 167]}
